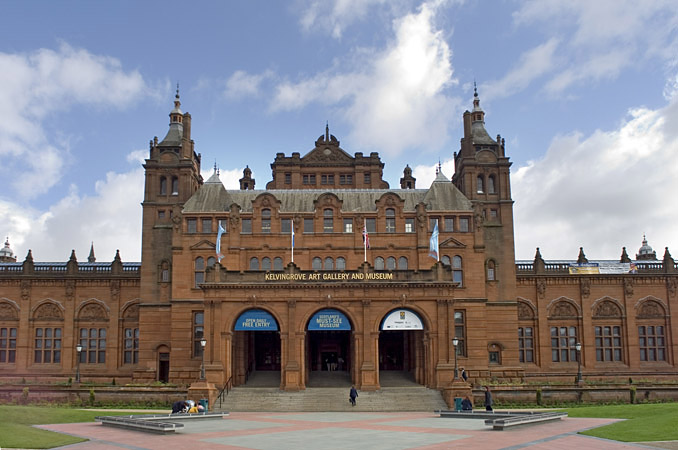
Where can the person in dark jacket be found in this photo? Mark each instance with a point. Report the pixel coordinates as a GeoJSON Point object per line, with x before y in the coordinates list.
{"type": "Point", "coordinates": [466, 404]}
{"type": "Point", "coordinates": [488, 399]}
{"type": "Point", "coordinates": [179, 407]}
{"type": "Point", "coordinates": [464, 376]}
{"type": "Point", "coordinates": [353, 395]}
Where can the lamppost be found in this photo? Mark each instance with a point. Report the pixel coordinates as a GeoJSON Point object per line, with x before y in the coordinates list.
{"type": "Point", "coordinates": [203, 343]}
{"type": "Point", "coordinates": [577, 346]}
{"type": "Point", "coordinates": [78, 349]}
{"type": "Point", "coordinates": [455, 342]}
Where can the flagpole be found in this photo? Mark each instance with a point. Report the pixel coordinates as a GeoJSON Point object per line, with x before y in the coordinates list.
{"type": "Point", "coordinates": [292, 243]}
{"type": "Point", "coordinates": [437, 243]}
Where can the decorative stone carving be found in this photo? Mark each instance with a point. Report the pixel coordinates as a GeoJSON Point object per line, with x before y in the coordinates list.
{"type": "Point", "coordinates": [585, 287]}
{"type": "Point", "coordinates": [92, 313]}
{"type": "Point", "coordinates": [132, 312]}
{"type": "Point", "coordinates": [115, 290]}
{"type": "Point", "coordinates": [606, 309]}
{"type": "Point", "coordinates": [25, 290]}
{"type": "Point", "coordinates": [672, 286]}
{"type": "Point", "coordinates": [541, 287]}
{"type": "Point", "coordinates": [651, 309]}
{"type": "Point", "coordinates": [48, 311]}
{"type": "Point", "coordinates": [525, 312]}
{"type": "Point", "coordinates": [8, 312]}
{"type": "Point", "coordinates": [563, 310]}
{"type": "Point", "coordinates": [70, 289]}
{"type": "Point", "coordinates": [628, 287]}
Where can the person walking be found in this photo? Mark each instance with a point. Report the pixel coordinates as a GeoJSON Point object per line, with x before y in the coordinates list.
{"type": "Point", "coordinates": [488, 399]}
{"type": "Point", "coordinates": [353, 395]}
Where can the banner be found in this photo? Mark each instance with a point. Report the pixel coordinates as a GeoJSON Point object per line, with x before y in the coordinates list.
{"type": "Point", "coordinates": [402, 319]}
{"type": "Point", "coordinates": [256, 320]}
{"type": "Point", "coordinates": [329, 319]}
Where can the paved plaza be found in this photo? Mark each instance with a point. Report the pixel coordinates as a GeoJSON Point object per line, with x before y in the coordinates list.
{"type": "Point", "coordinates": [356, 430]}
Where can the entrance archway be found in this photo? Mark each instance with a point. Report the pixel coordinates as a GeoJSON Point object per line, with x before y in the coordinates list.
{"type": "Point", "coordinates": [328, 349]}
{"type": "Point", "coordinates": [401, 349]}
{"type": "Point", "coordinates": [256, 349]}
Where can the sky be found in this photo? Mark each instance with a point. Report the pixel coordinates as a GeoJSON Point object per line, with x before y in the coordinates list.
{"type": "Point", "coordinates": [585, 93]}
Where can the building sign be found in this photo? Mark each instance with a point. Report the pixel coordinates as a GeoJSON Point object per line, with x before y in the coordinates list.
{"type": "Point", "coordinates": [328, 276]}
{"type": "Point", "coordinates": [256, 320]}
{"type": "Point", "coordinates": [602, 267]}
{"type": "Point", "coordinates": [402, 319]}
{"type": "Point", "coordinates": [329, 319]}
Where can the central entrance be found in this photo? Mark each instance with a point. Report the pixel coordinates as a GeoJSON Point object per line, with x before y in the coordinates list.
{"type": "Point", "coordinates": [401, 349]}
{"type": "Point", "coordinates": [328, 349]}
{"type": "Point", "coordinates": [257, 350]}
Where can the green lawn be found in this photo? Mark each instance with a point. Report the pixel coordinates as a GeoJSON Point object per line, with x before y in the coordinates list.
{"type": "Point", "coordinates": [645, 422]}
{"type": "Point", "coordinates": [16, 430]}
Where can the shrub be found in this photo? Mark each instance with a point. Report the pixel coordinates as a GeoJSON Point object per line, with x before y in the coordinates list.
{"type": "Point", "coordinates": [91, 397]}
{"type": "Point", "coordinates": [632, 392]}
{"type": "Point", "coordinates": [539, 397]}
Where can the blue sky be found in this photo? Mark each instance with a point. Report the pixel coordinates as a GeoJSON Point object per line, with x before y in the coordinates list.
{"type": "Point", "coordinates": [585, 94]}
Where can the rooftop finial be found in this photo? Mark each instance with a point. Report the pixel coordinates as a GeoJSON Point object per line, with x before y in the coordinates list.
{"type": "Point", "coordinates": [177, 96]}
{"type": "Point", "coordinates": [327, 131]}
{"type": "Point", "coordinates": [475, 88]}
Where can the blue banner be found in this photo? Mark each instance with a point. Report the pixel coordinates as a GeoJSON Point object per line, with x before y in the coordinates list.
{"type": "Point", "coordinates": [329, 319]}
{"type": "Point", "coordinates": [256, 320]}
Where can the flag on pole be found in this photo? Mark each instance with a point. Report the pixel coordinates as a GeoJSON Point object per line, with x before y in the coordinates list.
{"type": "Point", "coordinates": [433, 244]}
{"type": "Point", "coordinates": [366, 238]}
{"type": "Point", "coordinates": [292, 242]}
{"type": "Point", "coordinates": [220, 231]}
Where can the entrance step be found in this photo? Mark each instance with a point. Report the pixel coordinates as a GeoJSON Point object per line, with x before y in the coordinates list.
{"type": "Point", "coordinates": [418, 398]}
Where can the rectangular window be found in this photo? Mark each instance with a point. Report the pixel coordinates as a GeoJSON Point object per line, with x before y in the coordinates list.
{"type": "Point", "coordinates": [308, 225]}
{"type": "Point", "coordinates": [652, 343]}
{"type": "Point", "coordinates": [288, 178]}
{"type": "Point", "coordinates": [409, 225]}
{"type": "Point", "coordinates": [390, 225]}
{"type": "Point", "coordinates": [206, 225]}
{"type": "Point", "coordinates": [608, 343]}
{"type": "Point", "coordinates": [348, 225]}
{"type": "Point", "coordinates": [161, 214]}
{"type": "Point", "coordinates": [449, 224]}
{"type": "Point", "coordinates": [460, 331]}
{"type": "Point", "coordinates": [328, 225]}
{"type": "Point", "coordinates": [371, 225]}
{"type": "Point", "coordinates": [198, 333]}
{"type": "Point", "coordinates": [131, 346]}
{"type": "Point", "coordinates": [327, 179]}
{"type": "Point", "coordinates": [93, 342]}
{"type": "Point", "coordinates": [247, 226]}
{"type": "Point", "coordinates": [346, 179]}
{"type": "Point", "coordinates": [286, 226]}
{"type": "Point", "coordinates": [7, 345]}
{"type": "Point", "coordinates": [47, 345]}
{"type": "Point", "coordinates": [463, 224]}
{"type": "Point", "coordinates": [367, 179]}
{"type": "Point", "coordinates": [493, 214]}
{"type": "Point", "coordinates": [265, 225]}
{"type": "Point", "coordinates": [309, 179]}
{"type": "Point", "coordinates": [563, 342]}
{"type": "Point", "coordinates": [432, 224]}
{"type": "Point", "coordinates": [191, 226]}
{"type": "Point", "coordinates": [526, 344]}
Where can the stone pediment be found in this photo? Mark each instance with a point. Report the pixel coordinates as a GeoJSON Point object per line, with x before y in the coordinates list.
{"type": "Point", "coordinates": [327, 154]}
{"type": "Point", "coordinates": [204, 245]}
{"type": "Point", "coordinates": [452, 243]}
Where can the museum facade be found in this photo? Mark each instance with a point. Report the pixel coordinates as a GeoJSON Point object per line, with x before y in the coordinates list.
{"type": "Point", "coordinates": [329, 269]}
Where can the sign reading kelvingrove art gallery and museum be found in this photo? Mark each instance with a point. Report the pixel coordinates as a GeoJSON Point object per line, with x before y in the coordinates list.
{"type": "Point", "coordinates": [256, 320]}
{"type": "Point", "coordinates": [329, 319]}
{"type": "Point", "coordinates": [327, 276]}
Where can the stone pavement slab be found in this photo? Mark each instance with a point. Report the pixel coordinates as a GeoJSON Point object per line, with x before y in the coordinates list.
{"type": "Point", "coordinates": [298, 431]}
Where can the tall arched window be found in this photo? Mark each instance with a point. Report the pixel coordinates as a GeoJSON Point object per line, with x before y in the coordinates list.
{"type": "Point", "coordinates": [328, 221]}
{"type": "Point", "coordinates": [341, 263]}
{"type": "Point", "coordinates": [491, 275]}
{"type": "Point", "coordinates": [175, 186]}
{"type": "Point", "coordinates": [479, 182]}
{"type": "Point", "coordinates": [211, 261]}
{"type": "Point", "coordinates": [446, 260]}
{"type": "Point", "coordinates": [163, 186]}
{"type": "Point", "coordinates": [390, 220]}
{"type": "Point", "coordinates": [457, 270]}
{"type": "Point", "coordinates": [379, 263]}
{"type": "Point", "coordinates": [199, 270]}
{"type": "Point", "coordinates": [390, 263]}
{"type": "Point", "coordinates": [254, 263]}
{"type": "Point", "coordinates": [402, 263]}
{"type": "Point", "coordinates": [266, 263]}
{"type": "Point", "coordinates": [277, 263]}
{"type": "Point", "coordinates": [266, 220]}
{"type": "Point", "coordinates": [329, 264]}
{"type": "Point", "coordinates": [317, 263]}
{"type": "Point", "coordinates": [491, 185]}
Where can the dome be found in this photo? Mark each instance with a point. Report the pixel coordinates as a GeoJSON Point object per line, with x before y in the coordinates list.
{"type": "Point", "coordinates": [6, 253]}
{"type": "Point", "coordinates": [645, 252]}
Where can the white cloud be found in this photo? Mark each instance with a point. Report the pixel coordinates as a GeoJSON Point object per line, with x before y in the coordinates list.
{"type": "Point", "coordinates": [335, 16]}
{"type": "Point", "coordinates": [33, 87]}
{"type": "Point", "coordinates": [396, 99]}
{"type": "Point", "coordinates": [426, 174]}
{"type": "Point", "coordinates": [601, 192]}
{"type": "Point", "coordinates": [111, 219]}
{"type": "Point", "coordinates": [242, 84]}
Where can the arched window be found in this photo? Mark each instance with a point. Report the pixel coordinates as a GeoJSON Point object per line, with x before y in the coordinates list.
{"type": "Point", "coordinates": [481, 189]}
{"type": "Point", "coordinates": [402, 263]}
{"type": "Point", "coordinates": [317, 264]}
{"type": "Point", "coordinates": [446, 260]}
{"type": "Point", "coordinates": [266, 263]}
{"type": "Point", "coordinates": [130, 338]}
{"type": "Point", "coordinates": [254, 264]}
{"type": "Point", "coordinates": [277, 263]}
{"type": "Point", "coordinates": [329, 263]}
{"type": "Point", "coordinates": [211, 261]}
{"type": "Point", "coordinates": [390, 220]}
{"type": "Point", "coordinates": [457, 270]}
{"type": "Point", "coordinates": [163, 186]}
{"type": "Point", "coordinates": [199, 270]}
{"type": "Point", "coordinates": [379, 263]}
{"type": "Point", "coordinates": [491, 275]}
{"type": "Point", "coordinates": [652, 325]}
{"type": "Point", "coordinates": [390, 263]}
{"type": "Point", "coordinates": [328, 221]}
{"type": "Point", "coordinates": [491, 185]}
{"type": "Point", "coordinates": [175, 186]}
{"type": "Point", "coordinates": [341, 263]}
{"type": "Point", "coordinates": [266, 220]}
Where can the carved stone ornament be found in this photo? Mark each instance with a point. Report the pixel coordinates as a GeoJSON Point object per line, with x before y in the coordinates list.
{"type": "Point", "coordinates": [563, 310]}
{"type": "Point", "coordinates": [628, 286]}
{"type": "Point", "coordinates": [607, 308]}
{"type": "Point", "coordinates": [48, 311]}
{"type": "Point", "coordinates": [8, 312]}
{"type": "Point", "coordinates": [673, 286]}
{"type": "Point", "coordinates": [25, 289]}
{"type": "Point", "coordinates": [585, 287]}
{"type": "Point", "coordinates": [132, 312]}
{"type": "Point", "coordinates": [70, 289]}
{"type": "Point", "coordinates": [115, 289]}
{"type": "Point", "coordinates": [651, 309]}
{"type": "Point", "coordinates": [525, 312]}
{"type": "Point", "coordinates": [93, 313]}
{"type": "Point", "coordinates": [541, 287]}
